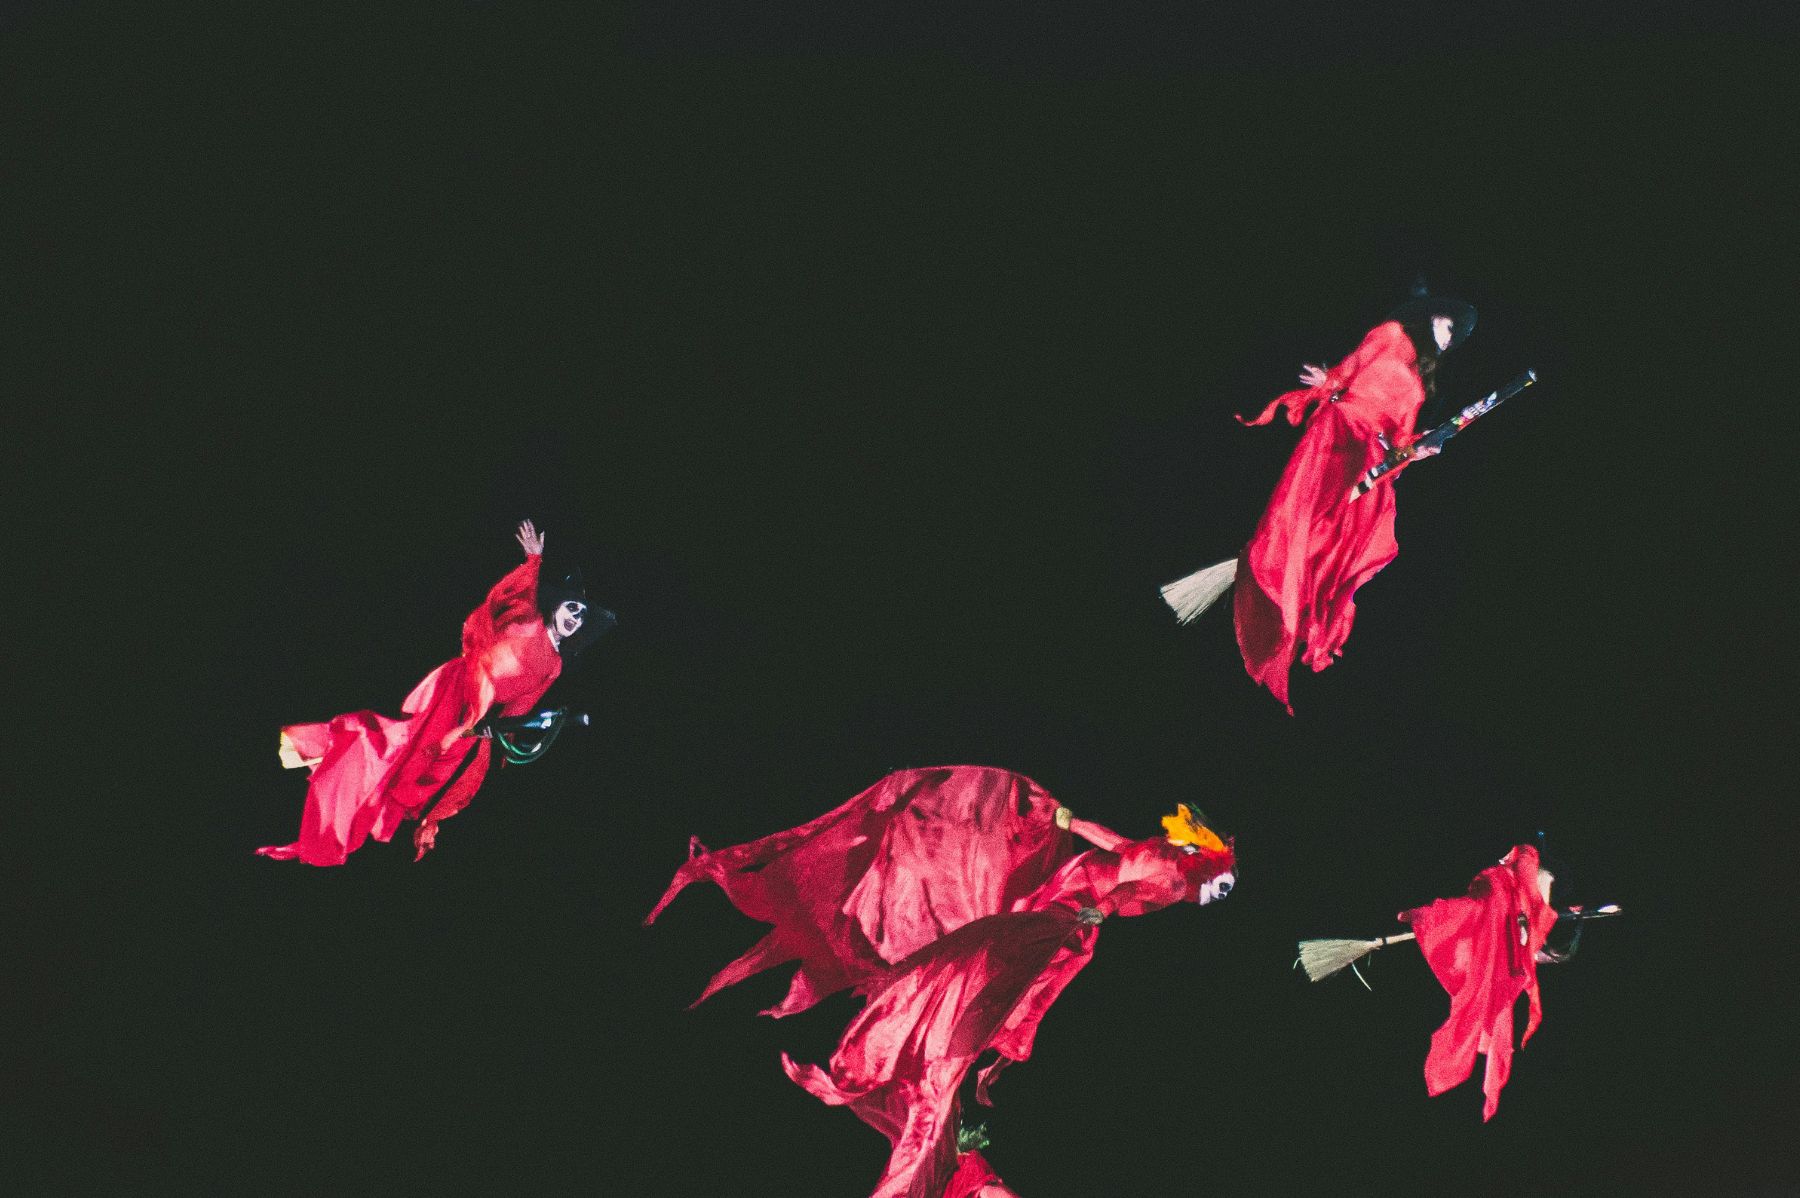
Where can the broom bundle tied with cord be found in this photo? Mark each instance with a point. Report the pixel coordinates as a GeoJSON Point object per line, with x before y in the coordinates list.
{"type": "Point", "coordinates": [1188, 597]}
{"type": "Point", "coordinates": [1322, 958]}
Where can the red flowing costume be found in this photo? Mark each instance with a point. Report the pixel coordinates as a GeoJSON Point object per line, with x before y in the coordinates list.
{"type": "Point", "coordinates": [956, 901]}
{"type": "Point", "coordinates": [975, 1178]}
{"type": "Point", "coordinates": [370, 772]}
{"type": "Point", "coordinates": [1297, 578]}
{"type": "Point", "coordinates": [1483, 949]}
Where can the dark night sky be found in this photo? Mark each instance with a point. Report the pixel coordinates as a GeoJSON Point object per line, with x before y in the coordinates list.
{"type": "Point", "coordinates": [877, 363]}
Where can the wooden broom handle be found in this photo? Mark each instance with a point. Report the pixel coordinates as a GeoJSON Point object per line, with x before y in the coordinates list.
{"type": "Point", "coordinates": [1575, 913]}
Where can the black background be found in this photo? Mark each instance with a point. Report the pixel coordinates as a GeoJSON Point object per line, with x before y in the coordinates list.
{"type": "Point", "coordinates": [877, 364]}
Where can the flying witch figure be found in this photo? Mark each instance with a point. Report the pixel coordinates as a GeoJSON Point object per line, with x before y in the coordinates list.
{"type": "Point", "coordinates": [1328, 529]}
{"type": "Point", "coordinates": [957, 901]}
{"type": "Point", "coordinates": [369, 773]}
{"type": "Point", "coordinates": [1484, 949]}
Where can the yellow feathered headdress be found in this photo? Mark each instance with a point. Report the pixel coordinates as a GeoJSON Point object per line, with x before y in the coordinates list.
{"type": "Point", "coordinates": [1184, 827]}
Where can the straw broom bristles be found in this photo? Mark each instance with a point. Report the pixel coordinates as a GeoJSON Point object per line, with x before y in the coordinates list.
{"type": "Point", "coordinates": [1190, 596]}
{"type": "Point", "coordinates": [1322, 958]}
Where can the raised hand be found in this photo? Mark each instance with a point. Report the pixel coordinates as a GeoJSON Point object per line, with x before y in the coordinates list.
{"type": "Point", "coordinates": [530, 538]}
{"type": "Point", "coordinates": [1312, 376]}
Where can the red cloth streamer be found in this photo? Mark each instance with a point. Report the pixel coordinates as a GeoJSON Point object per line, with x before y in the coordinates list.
{"type": "Point", "coordinates": [370, 772]}
{"type": "Point", "coordinates": [1483, 949]}
{"type": "Point", "coordinates": [952, 900]}
{"type": "Point", "coordinates": [1312, 549]}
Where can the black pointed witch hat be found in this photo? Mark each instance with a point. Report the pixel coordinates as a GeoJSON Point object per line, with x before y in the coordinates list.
{"type": "Point", "coordinates": [1423, 306]}
{"type": "Point", "coordinates": [595, 621]}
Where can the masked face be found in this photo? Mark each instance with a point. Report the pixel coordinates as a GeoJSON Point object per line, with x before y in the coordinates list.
{"type": "Point", "coordinates": [1203, 865]}
{"type": "Point", "coordinates": [567, 618]}
{"type": "Point", "coordinates": [1442, 329]}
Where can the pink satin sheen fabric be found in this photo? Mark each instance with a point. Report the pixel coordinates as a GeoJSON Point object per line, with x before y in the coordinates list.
{"type": "Point", "coordinates": [1473, 946]}
{"type": "Point", "coordinates": [1312, 549]}
{"type": "Point", "coordinates": [916, 855]}
{"type": "Point", "coordinates": [953, 902]}
{"type": "Point", "coordinates": [373, 772]}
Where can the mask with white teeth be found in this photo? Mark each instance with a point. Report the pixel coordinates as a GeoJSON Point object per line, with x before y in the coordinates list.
{"type": "Point", "coordinates": [1218, 888]}
{"type": "Point", "coordinates": [1188, 831]}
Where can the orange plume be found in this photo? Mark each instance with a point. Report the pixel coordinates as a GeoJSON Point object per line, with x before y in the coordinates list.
{"type": "Point", "coordinates": [1185, 828]}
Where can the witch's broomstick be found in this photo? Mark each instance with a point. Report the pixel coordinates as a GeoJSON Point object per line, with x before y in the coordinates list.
{"type": "Point", "coordinates": [1190, 596]}
{"type": "Point", "coordinates": [1398, 457]}
{"type": "Point", "coordinates": [525, 738]}
{"type": "Point", "coordinates": [1322, 958]}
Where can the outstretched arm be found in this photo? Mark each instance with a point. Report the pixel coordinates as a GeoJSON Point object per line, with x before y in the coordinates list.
{"type": "Point", "coordinates": [1098, 835]}
{"type": "Point", "coordinates": [513, 599]}
{"type": "Point", "coordinates": [1322, 384]}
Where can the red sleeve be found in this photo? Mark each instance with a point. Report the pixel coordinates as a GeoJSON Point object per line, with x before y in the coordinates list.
{"type": "Point", "coordinates": [1098, 835]}
{"type": "Point", "coordinates": [1379, 341]}
{"type": "Point", "coordinates": [513, 598]}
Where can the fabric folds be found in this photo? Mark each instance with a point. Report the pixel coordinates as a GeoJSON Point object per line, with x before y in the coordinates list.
{"type": "Point", "coordinates": [370, 772]}
{"type": "Point", "coordinates": [1483, 949]}
{"type": "Point", "coordinates": [955, 903]}
{"type": "Point", "coordinates": [1313, 548]}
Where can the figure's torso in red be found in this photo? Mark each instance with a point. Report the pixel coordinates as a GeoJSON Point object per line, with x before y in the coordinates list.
{"type": "Point", "coordinates": [1313, 548]}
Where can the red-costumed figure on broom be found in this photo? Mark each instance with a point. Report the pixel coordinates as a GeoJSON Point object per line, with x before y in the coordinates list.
{"type": "Point", "coordinates": [369, 772]}
{"type": "Point", "coordinates": [1314, 546]}
{"type": "Point", "coordinates": [957, 900]}
{"type": "Point", "coordinates": [1484, 948]}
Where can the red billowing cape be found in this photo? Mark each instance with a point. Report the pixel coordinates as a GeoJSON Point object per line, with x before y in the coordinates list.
{"type": "Point", "coordinates": [370, 772]}
{"type": "Point", "coordinates": [1312, 549]}
{"type": "Point", "coordinates": [1481, 956]}
{"type": "Point", "coordinates": [954, 902]}
{"type": "Point", "coordinates": [918, 854]}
